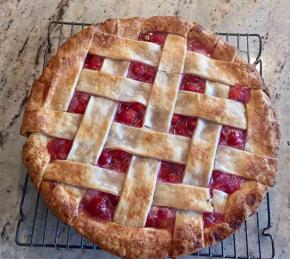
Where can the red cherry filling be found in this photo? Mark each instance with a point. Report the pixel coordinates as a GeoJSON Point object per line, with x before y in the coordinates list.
{"type": "Point", "coordinates": [161, 217]}
{"type": "Point", "coordinates": [183, 125]}
{"type": "Point", "coordinates": [131, 114]}
{"type": "Point", "coordinates": [99, 205]}
{"type": "Point", "coordinates": [233, 137]}
{"type": "Point", "coordinates": [142, 72]}
{"type": "Point", "coordinates": [240, 93]}
{"type": "Point", "coordinates": [93, 62]}
{"type": "Point", "coordinates": [196, 46]}
{"type": "Point", "coordinates": [171, 172]}
{"type": "Point", "coordinates": [115, 160]}
{"type": "Point", "coordinates": [225, 182]}
{"type": "Point", "coordinates": [59, 148]}
{"type": "Point", "coordinates": [211, 218]}
{"type": "Point", "coordinates": [192, 83]}
{"type": "Point", "coordinates": [155, 37]}
{"type": "Point", "coordinates": [79, 102]}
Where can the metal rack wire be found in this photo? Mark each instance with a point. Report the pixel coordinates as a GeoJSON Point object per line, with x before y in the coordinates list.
{"type": "Point", "coordinates": [37, 227]}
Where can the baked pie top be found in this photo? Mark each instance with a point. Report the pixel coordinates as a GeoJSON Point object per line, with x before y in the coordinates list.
{"type": "Point", "coordinates": [151, 137]}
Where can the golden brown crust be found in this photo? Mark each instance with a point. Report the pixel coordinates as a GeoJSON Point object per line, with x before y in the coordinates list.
{"type": "Point", "coordinates": [36, 157]}
{"type": "Point", "coordinates": [241, 204]}
{"type": "Point", "coordinates": [61, 73]}
{"type": "Point", "coordinates": [64, 200]}
{"type": "Point", "coordinates": [264, 170]}
{"type": "Point", "coordinates": [244, 203]}
{"type": "Point", "coordinates": [108, 26]}
{"type": "Point", "coordinates": [247, 165]}
{"type": "Point", "coordinates": [188, 233]}
{"type": "Point", "coordinates": [129, 28]}
{"type": "Point", "coordinates": [263, 134]}
{"type": "Point", "coordinates": [216, 233]}
{"type": "Point", "coordinates": [169, 24]}
{"type": "Point", "coordinates": [52, 123]}
{"type": "Point", "coordinates": [224, 51]}
{"type": "Point", "coordinates": [188, 240]}
{"type": "Point", "coordinates": [124, 241]}
{"type": "Point", "coordinates": [85, 176]}
{"type": "Point", "coordinates": [256, 81]}
{"type": "Point", "coordinates": [204, 37]}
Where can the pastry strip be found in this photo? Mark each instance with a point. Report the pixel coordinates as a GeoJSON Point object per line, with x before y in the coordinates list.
{"type": "Point", "coordinates": [52, 123]}
{"type": "Point", "coordinates": [137, 194]}
{"type": "Point", "coordinates": [116, 47]}
{"type": "Point", "coordinates": [246, 165]}
{"type": "Point", "coordinates": [67, 69]}
{"type": "Point", "coordinates": [219, 110]}
{"type": "Point", "coordinates": [162, 99]}
{"type": "Point", "coordinates": [148, 143]}
{"type": "Point", "coordinates": [85, 175]}
{"type": "Point", "coordinates": [114, 87]}
{"type": "Point", "coordinates": [229, 73]}
{"type": "Point", "coordinates": [198, 172]}
{"type": "Point", "coordinates": [203, 145]}
{"type": "Point", "coordinates": [96, 122]}
{"type": "Point", "coordinates": [182, 196]}
{"type": "Point", "coordinates": [93, 131]}
{"type": "Point", "coordinates": [261, 118]}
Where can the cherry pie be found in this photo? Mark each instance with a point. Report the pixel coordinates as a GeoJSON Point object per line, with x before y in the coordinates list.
{"type": "Point", "coordinates": [151, 137]}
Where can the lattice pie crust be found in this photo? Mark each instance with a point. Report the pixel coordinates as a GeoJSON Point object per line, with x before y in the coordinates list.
{"type": "Point", "coordinates": [179, 51]}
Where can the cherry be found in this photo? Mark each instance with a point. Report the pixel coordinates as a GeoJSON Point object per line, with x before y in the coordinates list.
{"type": "Point", "coordinates": [161, 217]}
{"type": "Point", "coordinates": [93, 62]}
{"type": "Point", "coordinates": [183, 125]}
{"type": "Point", "coordinates": [138, 107]}
{"type": "Point", "coordinates": [233, 137]}
{"type": "Point", "coordinates": [155, 37]}
{"type": "Point", "coordinates": [225, 182]}
{"type": "Point", "coordinates": [175, 119]}
{"type": "Point", "coordinates": [119, 154]}
{"type": "Point", "coordinates": [79, 102]}
{"type": "Point", "coordinates": [192, 83]}
{"type": "Point", "coordinates": [131, 114]}
{"type": "Point", "coordinates": [171, 172]}
{"type": "Point", "coordinates": [117, 160]}
{"type": "Point", "coordinates": [105, 158]}
{"type": "Point", "coordinates": [59, 148]}
{"type": "Point", "coordinates": [142, 72]}
{"type": "Point", "coordinates": [127, 116]}
{"type": "Point", "coordinates": [181, 129]}
{"type": "Point", "coordinates": [240, 93]}
{"type": "Point", "coordinates": [191, 124]}
{"type": "Point", "coordinates": [196, 46]}
{"type": "Point", "coordinates": [99, 205]}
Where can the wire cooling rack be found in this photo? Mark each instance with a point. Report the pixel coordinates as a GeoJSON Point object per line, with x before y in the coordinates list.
{"type": "Point", "coordinates": [37, 227]}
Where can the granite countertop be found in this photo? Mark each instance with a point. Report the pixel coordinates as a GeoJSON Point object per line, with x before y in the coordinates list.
{"type": "Point", "coordinates": [22, 41]}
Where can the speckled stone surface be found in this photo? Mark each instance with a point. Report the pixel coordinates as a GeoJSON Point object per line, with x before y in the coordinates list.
{"type": "Point", "coordinates": [22, 41]}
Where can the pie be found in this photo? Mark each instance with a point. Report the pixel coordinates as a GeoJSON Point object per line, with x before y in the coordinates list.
{"type": "Point", "coordinates": [151, 137]}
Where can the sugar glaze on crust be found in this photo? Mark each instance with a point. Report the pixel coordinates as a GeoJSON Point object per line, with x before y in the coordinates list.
{"type": "Point", "coordinates": [64, 200]}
